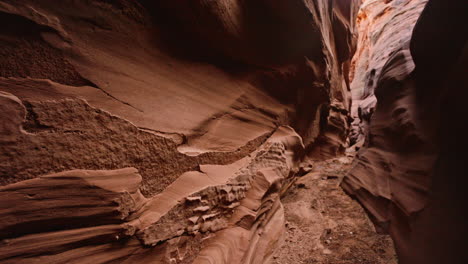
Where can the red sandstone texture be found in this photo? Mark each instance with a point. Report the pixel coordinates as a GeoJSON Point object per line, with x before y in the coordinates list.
{"type": "Point", "coordinates": [163, 131]}
{"type": "Point", "coordinates": [406, 75]}
{"type": "Point", "coordinates": [177, 131]}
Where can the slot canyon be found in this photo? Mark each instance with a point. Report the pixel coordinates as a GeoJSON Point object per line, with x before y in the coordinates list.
{"type": "Point", "coordinates": [233, 131]}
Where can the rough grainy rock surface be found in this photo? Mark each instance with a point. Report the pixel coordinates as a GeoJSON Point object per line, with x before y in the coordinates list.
{"type": "Point", "coordinates": [167, 70]}
{"type": "Point", "coordinates": [100, 216]}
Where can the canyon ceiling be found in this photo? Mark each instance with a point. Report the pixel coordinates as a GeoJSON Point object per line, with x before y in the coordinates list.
{"type": "Point", "coordinates": [162, 131]}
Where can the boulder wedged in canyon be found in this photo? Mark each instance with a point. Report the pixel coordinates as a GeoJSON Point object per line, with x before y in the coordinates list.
{"type": "Point", "coordinates": [408, 86]}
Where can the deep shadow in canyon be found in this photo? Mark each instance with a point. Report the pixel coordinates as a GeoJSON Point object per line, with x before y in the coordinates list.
{"type": "Point", "coordinates": [233, 131]}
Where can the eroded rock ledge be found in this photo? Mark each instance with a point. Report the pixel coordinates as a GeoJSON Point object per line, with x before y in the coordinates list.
{"type": "Point", "coordinates": [181, 124]}
{"type": "Point", "coordinates": [166, 132]}
{"type": "Point", "coordinates": [221, 214]}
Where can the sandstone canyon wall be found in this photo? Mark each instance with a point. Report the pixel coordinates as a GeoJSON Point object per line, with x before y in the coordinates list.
{"type": "Point", "coordinates": [163, 131]}
{"type": "Point", "coordinates": [408, 81]}
{"type": "Point", "coordinates": [168, 131]}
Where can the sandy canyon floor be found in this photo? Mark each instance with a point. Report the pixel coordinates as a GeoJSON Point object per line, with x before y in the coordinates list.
{"type": "Point", "coordinates": [325, 226]}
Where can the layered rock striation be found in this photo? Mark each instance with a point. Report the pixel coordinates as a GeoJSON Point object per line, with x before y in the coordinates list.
{"type": "Point", "coordinates": [216, 214]}
{"type": "Point", "coordinates": [407, 71]}
{"type": "Point", "coordinates": [168, 131]}
{"type": "Point", "coordinates": [162, 131]}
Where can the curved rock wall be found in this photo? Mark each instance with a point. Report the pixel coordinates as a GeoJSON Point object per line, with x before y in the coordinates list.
{"type": "Point", "coordinates": [406, 122]}
{"type": "Point", "coordinates": [167, 131]}
{"type": "Point", "coordinates": [163, 131]}
{"type": "Point", "coordinates": [390, 174]}
{"type": "Point", "coordinates": [385, 29]}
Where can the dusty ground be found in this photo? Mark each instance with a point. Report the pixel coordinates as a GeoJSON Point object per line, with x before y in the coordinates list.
{"type": "Point", "coordinates": [325, 226]}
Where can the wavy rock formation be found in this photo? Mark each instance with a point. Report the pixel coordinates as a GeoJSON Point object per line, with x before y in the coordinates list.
{"type": "Point", "coordinates": [390, 176]}
{"type": "Point", "coordinates": [406, 120]}
{"type": "Point", "coordinates": [142, 131]}
{"type": "Point", "coordinates": [163, 131]}
{"type": "Point", "coordinates": [100, 216]}
{"type": "Point", "coordinates": [202, 56]}
{"type": "Point", "coordinates": [382, 55]}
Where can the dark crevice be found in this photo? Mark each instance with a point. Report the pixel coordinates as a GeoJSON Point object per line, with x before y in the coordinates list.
{"type": "Point", "coordinates": [117, 99]}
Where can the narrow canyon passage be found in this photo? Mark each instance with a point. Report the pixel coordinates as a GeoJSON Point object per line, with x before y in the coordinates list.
{"type": "Point", "coordinates": [324, 225]}
{"type": "Point", "coordinates": [233, 131]}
